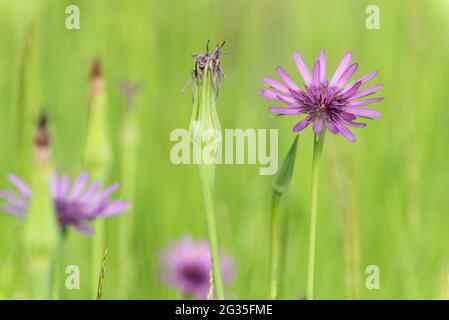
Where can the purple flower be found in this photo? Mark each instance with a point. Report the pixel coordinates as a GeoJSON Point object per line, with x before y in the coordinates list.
{"type": "Point", "coordinates": [188, 266]}
{"type": "Point", "coordinates": [74, 205]}
{"type": "Point", "coordinates": [334, 104]}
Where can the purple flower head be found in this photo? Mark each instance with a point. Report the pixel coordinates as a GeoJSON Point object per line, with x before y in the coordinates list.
{"type": "Point", "coordinates": [333, 104]}
{"type": "Point", "coordinates": [188, 267]}
{"type": "Point", "coordinates": [75, 205]}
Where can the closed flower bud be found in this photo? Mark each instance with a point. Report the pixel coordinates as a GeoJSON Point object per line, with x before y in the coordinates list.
{"type": "Point", "coordinates": [97, 153]}
{"type": "Point", "coordinates": [205, 128]}
{"type": "Point", "coordinates": [41, 228]}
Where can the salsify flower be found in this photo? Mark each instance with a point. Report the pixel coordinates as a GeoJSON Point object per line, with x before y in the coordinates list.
{"type": "Point", "coordinates": [333, 104]}
{"type": "Point", "coordinates": [75, 205]}
{"type": "Point", "coordinates": [188, 267]}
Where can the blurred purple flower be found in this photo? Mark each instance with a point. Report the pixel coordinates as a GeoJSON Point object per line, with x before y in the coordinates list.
{"type": "Point", "coordinates": [188, 265]}
{"type": "Point", "coordinates": [74, 205]}
{"type": "Point", "coordinates": [333, 104]}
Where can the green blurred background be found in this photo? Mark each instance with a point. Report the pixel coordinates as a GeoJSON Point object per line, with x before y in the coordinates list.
{"type": "Point", "coordinates": [382, 201]}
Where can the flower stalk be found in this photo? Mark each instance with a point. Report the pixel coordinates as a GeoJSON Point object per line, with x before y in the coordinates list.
{"type": "Point", "coordinates": [208, 120]}
{"type": "Point", "coordinates": [129, 143]}
{"type": "Point", "coordinates": [204, 133]}
{"type": "Point", "coordinates": [274, 246]}
{"type": "Point", "coordinates": [97, 156]}
{"type": "Point", "coordinates": [281, 182]}
{"type": "Point", "coordinates": [317, 150]}
{"type": "Point", "coordinates": [58, 266]}
{"type": "Point", "coordinates": [207, 177]}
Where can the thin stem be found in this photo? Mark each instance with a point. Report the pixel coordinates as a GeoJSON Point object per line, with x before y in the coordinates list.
{"type": "Point", "coordinates": [284, 222]}
{"type": "Point", "coordinates": [274, 256]}
{"type": "Point", "coordinates": [98, 245]}
{"type": "Point", "coordinates": [58, 265]}
{"type": "Point", "coordinates": [206, 174]}
{"type": "Point", "coordinates": [130, 137]}
{"type": "Point", "coordinates": [317, 149]}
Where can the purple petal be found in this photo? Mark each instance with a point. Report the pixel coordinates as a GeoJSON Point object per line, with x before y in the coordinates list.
{"type": "Point", "coordinates": [104, 195]}
{"type": "Point", "coordinates": [291, 102]}
{"type": "Point", "coordinates": [317, 125]}
{"type": "Point", "coordinates": [368, 77]}
{"type": "Point", "coordinates": [98, 203]}
{"type": "Point", "coordinates": [347, 116]}
{"type": "Point", "coordinates": [83, 228]}
{"type": "Point", "coordinates": [346, 75]}
{"type": "Point", "coordinates": [367, 91]}
{"type": "Point", "coordinates": [364, 112]}
{"type": "Point", "coordinates": [64, 184]}
{"type": "Point", "coordinates": [13, 210]}
{"type": "Point", "coordinates": [78, 186]}
{"type": "Point", "coordinates": [283, 110]}
{"type": "Point", "coordinates": [90, 193]}
{"type": "Point", "coordinates": [54, 184]}
{"type": "Point", "coordinates": [363, 102]}
{"type": "Point", "coordinates": [332, 127]}
{"type": "Point", "coordinates": [303, 70]}
{"type": "Point", "coordinates": [353, 124]}
{"type": "Point", "coordinates": [322, 60]}
{"type": "Point", "coordinates": [285, 77]}
{"type": "Point", "coordinates": [114, 208]}
{"type": "Point", "coordinates": [301, 125]}
{"type": "Point", "coordinates": [13, 199]}
{"type": "Point", "coordinates": [342, 66]}
{"type": "Point", "coordinates": [345, 132]}
{"type": "Point", "coordinates": [350, 90]}
{"type": "Point", "coordinates": [273, 95]}
{"type": "Point", "coordinates": [20, 185]}
{"type": "Point", "coordinates": [316, 73]}
{"type": "Point", "coordinates": [276, 85]}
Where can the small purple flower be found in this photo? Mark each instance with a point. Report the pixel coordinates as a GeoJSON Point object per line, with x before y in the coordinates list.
{"type": "Point", "coordinates": [333, 104]}
{"type": "Point", "coordinates": [188, 266]}
{"type": "Point", "coordinates": [74, 205]}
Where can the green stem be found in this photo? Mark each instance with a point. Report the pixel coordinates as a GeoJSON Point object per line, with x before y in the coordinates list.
{"type": "Point", "coordinates": [206, 175]}
{"type": "Point", "coordinates": [98, 245]}
{"type": "Point", "coordinates": [130, 138]}
{"type": "Point", "coordinates": [41, 234]}
{"type": "Point", "coordinates": [317, 149]}
{"type": "Point", "coordinates": [283, 250]}
{"type": "Point", "coordinates": [274, 246]}
{"type": "Point", "coordinates": [58, 266]}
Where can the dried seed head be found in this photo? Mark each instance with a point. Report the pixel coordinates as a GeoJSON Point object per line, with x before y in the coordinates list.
{"type": "Point", "coordinates": [95, 69]}
{"type": "Point", "coordinates": [42, 137]}
{"type": "Point", "coordinates": [96, 81]}
{"type": "Point", "coordinates": [129, 91]}
{"type": "Point", "coordinates": [209, 63]}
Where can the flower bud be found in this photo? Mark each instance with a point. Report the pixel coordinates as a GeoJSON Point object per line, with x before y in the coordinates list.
{"type": "Point", "coordinates": [205, 128]}
{"type": "Point", "coordinates": [97, 153]}
{"type": "Point", "coordinates": [41, 228]}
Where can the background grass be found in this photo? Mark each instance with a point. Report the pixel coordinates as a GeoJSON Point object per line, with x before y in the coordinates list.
{"type": "Point", "coordinates": [386, 194]}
